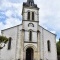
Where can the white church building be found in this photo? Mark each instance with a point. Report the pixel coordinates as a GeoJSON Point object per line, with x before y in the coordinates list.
{"type": "Point", "coordinates": [29, 41]}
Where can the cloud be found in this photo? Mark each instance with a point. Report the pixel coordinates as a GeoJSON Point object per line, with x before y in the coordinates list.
{"type": "Point", "coordinates": [15, 1]}
{"type": "Point", "coordinates": [10, 14]}
{"type": "Point", "coordinates": [10, 22]}
{"type": "Point", "coordinates": [49, 13]}
{"type": "Point", "coordinates": [57, 40]}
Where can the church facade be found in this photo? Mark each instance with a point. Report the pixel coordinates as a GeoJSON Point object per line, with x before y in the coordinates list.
{"type": "Point", "coordinates": [29, 41]}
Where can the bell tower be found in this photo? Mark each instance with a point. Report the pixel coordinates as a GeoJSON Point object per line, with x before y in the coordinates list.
{"type": "Point", "coordinates": [30, 11]}
{"type": "Point", "coordinates": [30, 24]}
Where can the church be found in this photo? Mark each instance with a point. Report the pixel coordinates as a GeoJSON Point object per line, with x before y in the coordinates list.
{"type": "Point", "coordinates": [29, 40]}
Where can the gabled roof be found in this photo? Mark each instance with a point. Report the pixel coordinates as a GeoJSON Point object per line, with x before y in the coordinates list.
{"type": "Point", "coordinates": [47, 30]}
{"type": "Point", "coordinates": [38, 25]}
{"type": "Point", "coordinates": [11, 27]}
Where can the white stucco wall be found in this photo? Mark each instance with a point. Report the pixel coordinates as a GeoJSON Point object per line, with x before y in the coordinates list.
{"type": "Point", "coordinates": [51, 37]}
{"type": "Point", "coordinates": [15, 33]}
{"type": "Point", "coordinates": [45, 36]}
{"type": "Point", "coordinates": [15, 47]}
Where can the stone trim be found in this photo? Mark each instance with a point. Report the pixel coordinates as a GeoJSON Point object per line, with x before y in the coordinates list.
{"type": "Point", "coordinates": [38, 45]}
{"type": "Point", "coordinates": [31, 11]}
{"type": "Point", "coordinates": [43, 41]}
{"type": "Point", "coordinates": [31, 7]}
{"type": "Point", "coordinates": [32, 24]}
{"type": "Point", "coordinates": [22, 43]}
{"type": "Point", "coordinates": [30, 21]}
{"type": "Point", "coordinates": [29, 42]}
{"type": "Point", "coordinates": [34, 49]}
{"type": "Point", "coordinates": [11, 27]}
{"type": "Point", "coordinates": [30, 45]}
{"type": "Point", "coordinates": [47, 30]}
{"type": "Point", "coordinates": [29, 30]}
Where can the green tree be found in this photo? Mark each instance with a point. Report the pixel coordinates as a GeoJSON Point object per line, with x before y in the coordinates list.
{"type": "Point", "coordinates": [58, 47]}
{"type": "Point", "coordinates": [3, 40]}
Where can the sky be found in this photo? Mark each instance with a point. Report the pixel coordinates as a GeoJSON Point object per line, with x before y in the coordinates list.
{"type": "Point", "coordinates": [49, 14]}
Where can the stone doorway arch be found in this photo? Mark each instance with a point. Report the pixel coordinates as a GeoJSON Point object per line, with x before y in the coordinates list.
{"type": "Point", "coordinates": [33, 49]}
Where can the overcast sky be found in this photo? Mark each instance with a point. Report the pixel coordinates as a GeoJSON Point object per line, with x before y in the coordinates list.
{"type": "Point", "coordinates": [49, 14]}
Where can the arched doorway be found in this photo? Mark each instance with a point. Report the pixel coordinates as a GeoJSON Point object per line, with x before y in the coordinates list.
{"type": "Point", "coordinates": [29, 54]}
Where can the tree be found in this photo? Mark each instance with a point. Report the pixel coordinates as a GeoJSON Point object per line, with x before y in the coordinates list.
{"type": "Point", "coordinates": [58, 47]}
{"type": "Point", "coordinates": [3, 41]}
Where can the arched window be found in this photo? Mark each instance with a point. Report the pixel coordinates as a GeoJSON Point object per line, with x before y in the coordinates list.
{"type": "Point", "coordinates": [30, 25]}
{"type": "Point", "coordinates": [30, 35]}
{"type": "Point", "coordinates": [28, 15]}
{"type": "Point", "coordinates": [48, 45]}
{"type": "Point", "coordinates": [32, 15]}
{"type": "Point", "coordinates": [9, 43]}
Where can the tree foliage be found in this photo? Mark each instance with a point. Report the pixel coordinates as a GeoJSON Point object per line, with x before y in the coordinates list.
{"type": "Point", "coordinates": [3, 39]}
{"type": "Point", "coordinates": [58, 47]}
